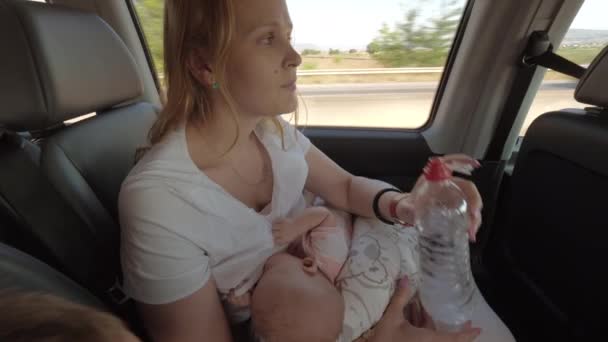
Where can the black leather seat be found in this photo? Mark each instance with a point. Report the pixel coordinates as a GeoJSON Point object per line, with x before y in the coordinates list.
{"type": "Point", "coordinates": [21, 272]}
{"type": "Point", "coordinates": [551, 250]}
{"type": "Point", "coordinates": [64, 63]}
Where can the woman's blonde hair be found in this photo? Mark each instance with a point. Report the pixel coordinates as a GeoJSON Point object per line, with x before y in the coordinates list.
{"type": "Point", "coordinates": [190, 26]}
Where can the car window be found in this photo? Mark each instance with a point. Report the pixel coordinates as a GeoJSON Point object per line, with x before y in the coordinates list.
{"type": "Point", "coordinates": [587, 36]}
{"type": "Point", "coordinates": [364, 63]}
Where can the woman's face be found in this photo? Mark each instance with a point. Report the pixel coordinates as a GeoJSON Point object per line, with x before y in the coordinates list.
{"type": "Point", "coordinates": [261, 70]}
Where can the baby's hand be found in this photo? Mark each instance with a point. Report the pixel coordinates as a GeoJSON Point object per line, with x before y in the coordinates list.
{"type": "Point", "coordinates": [284, 232]}
{"type": "Point", "coordinates": [310, 265]}
{"type": "Point", "coordinates": [241, 301]}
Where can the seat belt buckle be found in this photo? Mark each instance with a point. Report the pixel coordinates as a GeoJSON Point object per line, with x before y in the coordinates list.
{"type": "Point", "coordinates": [116, 294]}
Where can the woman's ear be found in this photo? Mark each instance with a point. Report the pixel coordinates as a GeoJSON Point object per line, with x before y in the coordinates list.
{"type": "Point", "coordinates": [200, 68]}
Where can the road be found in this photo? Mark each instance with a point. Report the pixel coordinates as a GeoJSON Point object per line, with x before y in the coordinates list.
{"type": "Point", "coordinates": [403, 105]}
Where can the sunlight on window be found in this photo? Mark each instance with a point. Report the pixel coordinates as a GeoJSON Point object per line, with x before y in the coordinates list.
{"type": "Point", "coordinates": [376, 65]}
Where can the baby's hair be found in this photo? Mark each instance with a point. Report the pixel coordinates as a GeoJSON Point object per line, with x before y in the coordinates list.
{"type": "Point", "coordinates": [37, 317]}
{"type": "Point", "coordinates": [267, 325]}
{"type": "Point", "coordinates": [288, 316]}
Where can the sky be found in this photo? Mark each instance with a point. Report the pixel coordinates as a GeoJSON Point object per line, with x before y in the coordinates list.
{"type": "Point", "coordinates": [592, 15]}
{"type": "Point", "coordinates": [362, 19]}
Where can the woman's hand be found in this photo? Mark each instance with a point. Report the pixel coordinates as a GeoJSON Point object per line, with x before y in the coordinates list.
{"type": "Point", "coordinates": [458, 162]}
{"type": "Point", "coordinates": [475, 204]}
{"type": "Point", "coordinates": [394, 327]}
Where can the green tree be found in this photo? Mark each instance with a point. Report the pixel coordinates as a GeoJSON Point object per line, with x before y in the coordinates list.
{"type": "Point", "coordinates": [151, 13]}
{"type": "Point", "coordinates": [334, 51]}
{"type": "Point", "coordinates": [309, 66]}
{"type": "Point", "coordinates": [307, 52]}
{"type": "Point", "coordinates": [410, 44]}
{"type": "Point", "coordinates": [443, 28]}
{"type": "Point", "coordinates": [372, 47]}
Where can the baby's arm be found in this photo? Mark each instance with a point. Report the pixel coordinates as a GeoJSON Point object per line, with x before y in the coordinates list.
{"type": "Point", "coordinates": [287, 230]}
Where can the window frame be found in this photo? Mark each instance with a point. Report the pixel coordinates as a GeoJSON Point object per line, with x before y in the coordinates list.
{"type": "Point", "coordinates": [144, 42]}
{"type": "Point", "coordinates": [437, 98]}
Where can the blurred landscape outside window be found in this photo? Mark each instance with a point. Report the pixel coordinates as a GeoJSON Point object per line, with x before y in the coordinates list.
{"type": "Point", "coordinates": [378, 63]}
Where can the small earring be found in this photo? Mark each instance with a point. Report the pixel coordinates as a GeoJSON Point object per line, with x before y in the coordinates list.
{"type": "Point", "coordinates": [215, 85]}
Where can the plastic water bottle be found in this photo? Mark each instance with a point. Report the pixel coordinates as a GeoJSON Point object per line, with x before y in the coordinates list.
{"type": "Point", "coordinates": [447, 289]}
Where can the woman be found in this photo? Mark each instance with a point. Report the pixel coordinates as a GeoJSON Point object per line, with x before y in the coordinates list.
{"type": "Point", "coordinates": [197, 209]}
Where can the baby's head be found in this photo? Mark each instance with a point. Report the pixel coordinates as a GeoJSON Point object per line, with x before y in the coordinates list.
{"type": "Point", "coordinates": [289, 304]}
{"type": "Point", "coordinates": [36, 317]}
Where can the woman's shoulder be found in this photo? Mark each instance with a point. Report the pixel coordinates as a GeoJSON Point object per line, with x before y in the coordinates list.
{"type": "Point", "coordinates": [145, 192]}
{"type": "Point", "coordinates": [164, 172]}
{"type": "Point", "coordinates": [164, 162]}
{"type": "Point", "coordinates": [166, 201]}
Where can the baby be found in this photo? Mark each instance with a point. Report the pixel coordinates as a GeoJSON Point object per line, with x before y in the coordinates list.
{"type": "Point", "coordinates": [364, 273]}
{"type": "Point", "coordinates": [291, 304]}
{"type": "Point", "coordinates": [297, 286]}
{"type": "Point", "coordinates": [320, 236]}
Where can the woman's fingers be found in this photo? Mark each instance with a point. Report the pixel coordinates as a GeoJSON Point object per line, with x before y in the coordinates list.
{"type": "Point", "coordinates": [415, 312]}
{"type": "Point", "coordinates": [402, 296]}
{"type": "Point", "coordinates": [471, 193]}
{"type": "Point", "coordinates": [468, 187]}
{"type": "Point", "coordinates": [475, 219]}
{"type": "Point", "coordinates": [461, 163]}
{"type": "Point", "coordinates": [474, 201]}
{"type": "Point", "coordinates": [405, 209]}
{"type": "Point", "coordinates": [475, 204]}
{"type": "Point", "coordinates": [468, 334]}
{"type": "Point", "coordinates": [460, 159]}
{"type": "Point", "coordinates": [427, 319]}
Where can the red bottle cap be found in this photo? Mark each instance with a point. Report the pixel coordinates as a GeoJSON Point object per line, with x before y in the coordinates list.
{"type": "Point", "coordinates": [436, 170]}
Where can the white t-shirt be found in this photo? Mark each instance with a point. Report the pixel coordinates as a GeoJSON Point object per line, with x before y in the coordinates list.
{"type": "Point", "coordinates": [178, 226]}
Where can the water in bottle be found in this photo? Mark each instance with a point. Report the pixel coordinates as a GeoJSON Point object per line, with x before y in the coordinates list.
{"type": "Point", "coordinates": [448, 290]}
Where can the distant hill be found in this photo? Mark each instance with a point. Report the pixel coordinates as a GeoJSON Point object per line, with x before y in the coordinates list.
{"type": "Point", "coordinates": [586, 37]}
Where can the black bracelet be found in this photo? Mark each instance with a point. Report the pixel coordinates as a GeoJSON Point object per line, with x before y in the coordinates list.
{"type": "Point", "coordinates": [375, 204]}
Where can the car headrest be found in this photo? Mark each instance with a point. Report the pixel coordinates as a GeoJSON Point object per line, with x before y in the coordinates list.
{"type": "Point", "coordinates": [593, 87]}
{"type": "Point", "coordinates": [59, 63]}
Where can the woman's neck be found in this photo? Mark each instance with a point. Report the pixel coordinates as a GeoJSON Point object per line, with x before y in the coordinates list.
{"type": "Point", "coordinates": [215, 137]}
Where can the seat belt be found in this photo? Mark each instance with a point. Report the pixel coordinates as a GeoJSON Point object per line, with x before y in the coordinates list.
{"type": "Point", "coordinates": [539, 52]}
{"type": "Point", "coordinates": [43, 212]}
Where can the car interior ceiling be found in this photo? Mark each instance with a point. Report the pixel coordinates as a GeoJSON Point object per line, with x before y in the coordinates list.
{"type": "Point", "coordinates": [540, 268]}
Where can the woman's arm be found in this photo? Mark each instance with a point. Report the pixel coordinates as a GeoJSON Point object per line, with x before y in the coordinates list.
{"type": "Point", "coordinates": [342, 189]}
{"type": "Point", "coordinates": [198, 317]}
{"type": "Point", "coordinates": [355, 194]}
